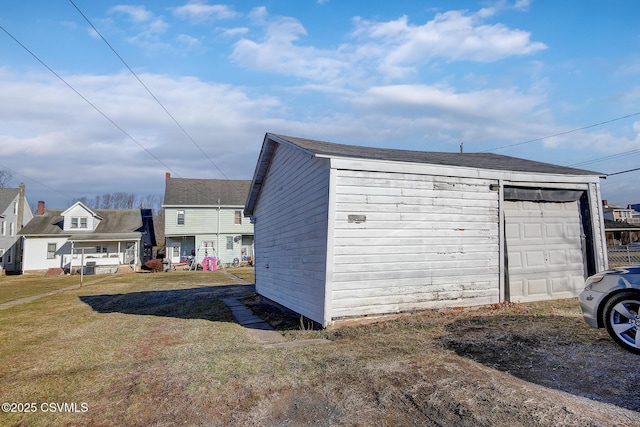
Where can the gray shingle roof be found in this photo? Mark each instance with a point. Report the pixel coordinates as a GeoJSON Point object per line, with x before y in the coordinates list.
{"type": "Point", "coordinates": [7, 195]}
{"type": "Point", "coordinates": [472, 160]}
{"type": "Point", "coordinates": [205, 192]}
{"type": "Point", "coordinates": [114, 221]}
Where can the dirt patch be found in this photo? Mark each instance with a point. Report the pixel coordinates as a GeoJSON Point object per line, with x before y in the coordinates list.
{"type": "Point", "coordinates": [152, 350]}
{"type": "Point", "coordinates": [520, 364]}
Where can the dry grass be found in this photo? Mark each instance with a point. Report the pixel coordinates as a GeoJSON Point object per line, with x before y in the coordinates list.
{"type": "Point", "coordinates": [163, 350]}
{"type": "Point", "coordinates": [16, 287]}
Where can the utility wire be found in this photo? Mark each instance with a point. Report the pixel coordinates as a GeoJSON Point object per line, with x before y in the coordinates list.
{"type": "Point", "coordinates": [562, 133]}
{"type": "Point", "coordinates": [620, 173]}
{"type": "Point", "coordinates": [606, 158]}
{"type": "Point", "coordinates": [148, 90]}
{"type": "Point", "coordinates": [86, 100]}
{"type": "Point", "coordinates": [37, 182]}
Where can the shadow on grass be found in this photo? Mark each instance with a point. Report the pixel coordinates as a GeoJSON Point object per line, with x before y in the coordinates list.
{"type": "Point", "coordinates": [194, 303]}
{"type": "Point", "coordinates": [554, 352]}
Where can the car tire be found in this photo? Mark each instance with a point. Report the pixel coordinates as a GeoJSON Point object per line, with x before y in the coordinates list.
{"type": "Point", "coordinates": [621, 320]}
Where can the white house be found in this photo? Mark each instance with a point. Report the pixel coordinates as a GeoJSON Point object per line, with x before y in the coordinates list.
{"type": "Point", "coordinates": [346, 231]}
{"type": "Point", "coordinates": [14, 214]}
{"type": "Point", "coordinates": [204, 217]}
{"type": "Point", "coordinates": [79, 237]}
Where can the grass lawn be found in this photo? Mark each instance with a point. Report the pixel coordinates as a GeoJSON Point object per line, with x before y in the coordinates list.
{"type": "Point", "coordinates": [16, 287]}
{"type": "Point", "coordinates": [164, 350]}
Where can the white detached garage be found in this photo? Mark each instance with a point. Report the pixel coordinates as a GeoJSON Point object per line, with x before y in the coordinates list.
{"type": "Point", "coordinates": [347, 231]}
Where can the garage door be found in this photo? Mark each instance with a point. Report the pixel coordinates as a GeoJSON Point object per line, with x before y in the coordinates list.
{"type": "Point", "coordinates": [544, 250]}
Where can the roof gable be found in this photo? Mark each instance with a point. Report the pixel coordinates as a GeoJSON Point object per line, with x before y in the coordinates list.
{"type": "Point", "coordinates": [7, 196]}
{"type": "Point", "coordinates": [79, 207]}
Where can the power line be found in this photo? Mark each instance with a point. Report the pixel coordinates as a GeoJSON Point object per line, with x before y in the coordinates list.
{"type": "Point", "coordinates": [562, 133]}
{"type": "Point", "coordinates": [620, 173]}
{"type": "Point", "coordinates": [148, 90]}
{"type": "Point", "coordinates": [606, 158]}
{"type": "Point", "coordinates": [36, 181]}
{"type": "Point", "coordinates": [86, 100]}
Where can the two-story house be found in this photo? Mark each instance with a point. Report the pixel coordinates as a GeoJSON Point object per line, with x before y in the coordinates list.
{"type": "Point", "coordinates": [79, 237]}
{"type": "Point", "coordinates": [205, 218]}
{"type": "Point", "coordinates": [14, 214]}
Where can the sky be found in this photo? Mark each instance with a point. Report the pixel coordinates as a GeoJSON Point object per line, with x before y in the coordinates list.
{"type": "Point", "coordinates": [101, 97]}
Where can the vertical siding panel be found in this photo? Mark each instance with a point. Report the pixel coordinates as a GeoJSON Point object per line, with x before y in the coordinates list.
{"type": "Point", "coordinates": [291, 232]}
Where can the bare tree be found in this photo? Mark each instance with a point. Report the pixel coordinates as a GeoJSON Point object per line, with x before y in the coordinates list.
{"type": "Point", "coordinates": [5, 177]}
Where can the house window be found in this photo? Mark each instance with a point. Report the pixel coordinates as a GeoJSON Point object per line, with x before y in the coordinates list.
{"type": "Point", "coordinates": [51, 250]}
{"type": "Point", "coordinates": [11, 229]}
{"type": "Point", "coordinates": [208, 248]}
{"type": "Point", "coordinates": [102, 249]}
{"type": "Point", "coordinates": [77, 222]}
{"type": "Point", "coordinates": [180, 217]}
{"type": "Point", "coordinates": [1, 254]}
{"type": "Point", "coordinates": [3, 228]}
{"type": "Point", "coordinates": [238, 217]}
{"type": "Point", "coordinates": [15, 208]}
{"type": "Point", "coordinates": [229, 242]}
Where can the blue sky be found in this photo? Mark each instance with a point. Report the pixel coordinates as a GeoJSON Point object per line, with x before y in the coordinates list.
{"type": "Point", "coordinates": [499, 76]}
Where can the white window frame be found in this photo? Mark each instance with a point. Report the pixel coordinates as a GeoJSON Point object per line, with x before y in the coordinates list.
{"type": "Point", "coordinates": [180, 217]}
{"type": "Point", "coordinates": [12, 229]}
{"type": "Point", "coordinates": [79, 222]}
{"type": "Point", "coordinates": [50, 254]}
{"type": "Point", "coordinates": [237, 217]}
{"type": "Point", "coordinates": [3, 228]}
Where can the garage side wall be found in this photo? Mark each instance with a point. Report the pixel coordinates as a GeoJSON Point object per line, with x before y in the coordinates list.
{"type": "Point", "coordinates": [409, 241]}
{"type": "Point", "coordinates": [291, 232]}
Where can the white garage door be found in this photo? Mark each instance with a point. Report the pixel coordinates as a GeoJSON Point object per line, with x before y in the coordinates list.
{"type": "Point", "coordinates": [544, 249]}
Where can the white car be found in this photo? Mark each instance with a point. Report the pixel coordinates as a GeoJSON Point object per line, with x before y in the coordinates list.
{"type": "Point", "coordinates": [611, 299]}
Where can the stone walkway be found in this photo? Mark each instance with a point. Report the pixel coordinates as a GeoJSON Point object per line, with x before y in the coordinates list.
{"type": "Point", "coordinates": [260, 330]}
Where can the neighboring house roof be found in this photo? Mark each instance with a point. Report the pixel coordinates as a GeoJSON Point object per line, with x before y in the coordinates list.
{"type": "Point", "coordinates": [205, 192]}
{"type": "Point", "coordinates": [113, 221]}
{"type": "Point", "coordinates": [7, 196]}
{"type": "Point", "coordinates": [610, 225]}
{"type": "Point", "coordinates": [470, 160]}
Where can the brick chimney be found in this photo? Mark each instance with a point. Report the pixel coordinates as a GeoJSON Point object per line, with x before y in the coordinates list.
{"type": "Point", "coordinates": [168, 175]}
{"type": "Point", "coordinates": [40, 210]}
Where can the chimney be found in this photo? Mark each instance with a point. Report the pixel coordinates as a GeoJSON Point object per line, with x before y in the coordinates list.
{"type": "Point", "coordinates": [40, 210]}
{"type": "Point", "coordinates": [168, 175]}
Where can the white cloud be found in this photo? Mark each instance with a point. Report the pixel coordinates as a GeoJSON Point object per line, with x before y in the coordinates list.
{"type": "Point", "coordinates": [148, 27]}
{"type": "Point", "coordinates": [396, 49]}
{"type": "Point", "coordinates": [200, 12]}
{"type": "Point", "coordinates": [135, 13]}
{"type": "Point", "coordinates": [278, 51]}
{"type": "Point", "coordinates": [187, 40]}
{"type": "Point", "coordinates": [453, 36]}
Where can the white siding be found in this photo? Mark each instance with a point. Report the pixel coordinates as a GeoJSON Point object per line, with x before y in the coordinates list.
{"type": "Point", "coordinates": [427, 241]}
{"type": "Point", "coordinates": [291, 232]}
{"type": "Point", "coordinates": [35, 253]}
{"type": "Point", "coordinates": [79, 211]}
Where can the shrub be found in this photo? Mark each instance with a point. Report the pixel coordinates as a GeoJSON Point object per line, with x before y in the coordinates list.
{"type": "Point", "coordinates": [155, 265]}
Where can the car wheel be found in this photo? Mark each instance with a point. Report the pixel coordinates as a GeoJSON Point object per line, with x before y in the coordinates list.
{"type": "Point", "coordinates": [622, 321]}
